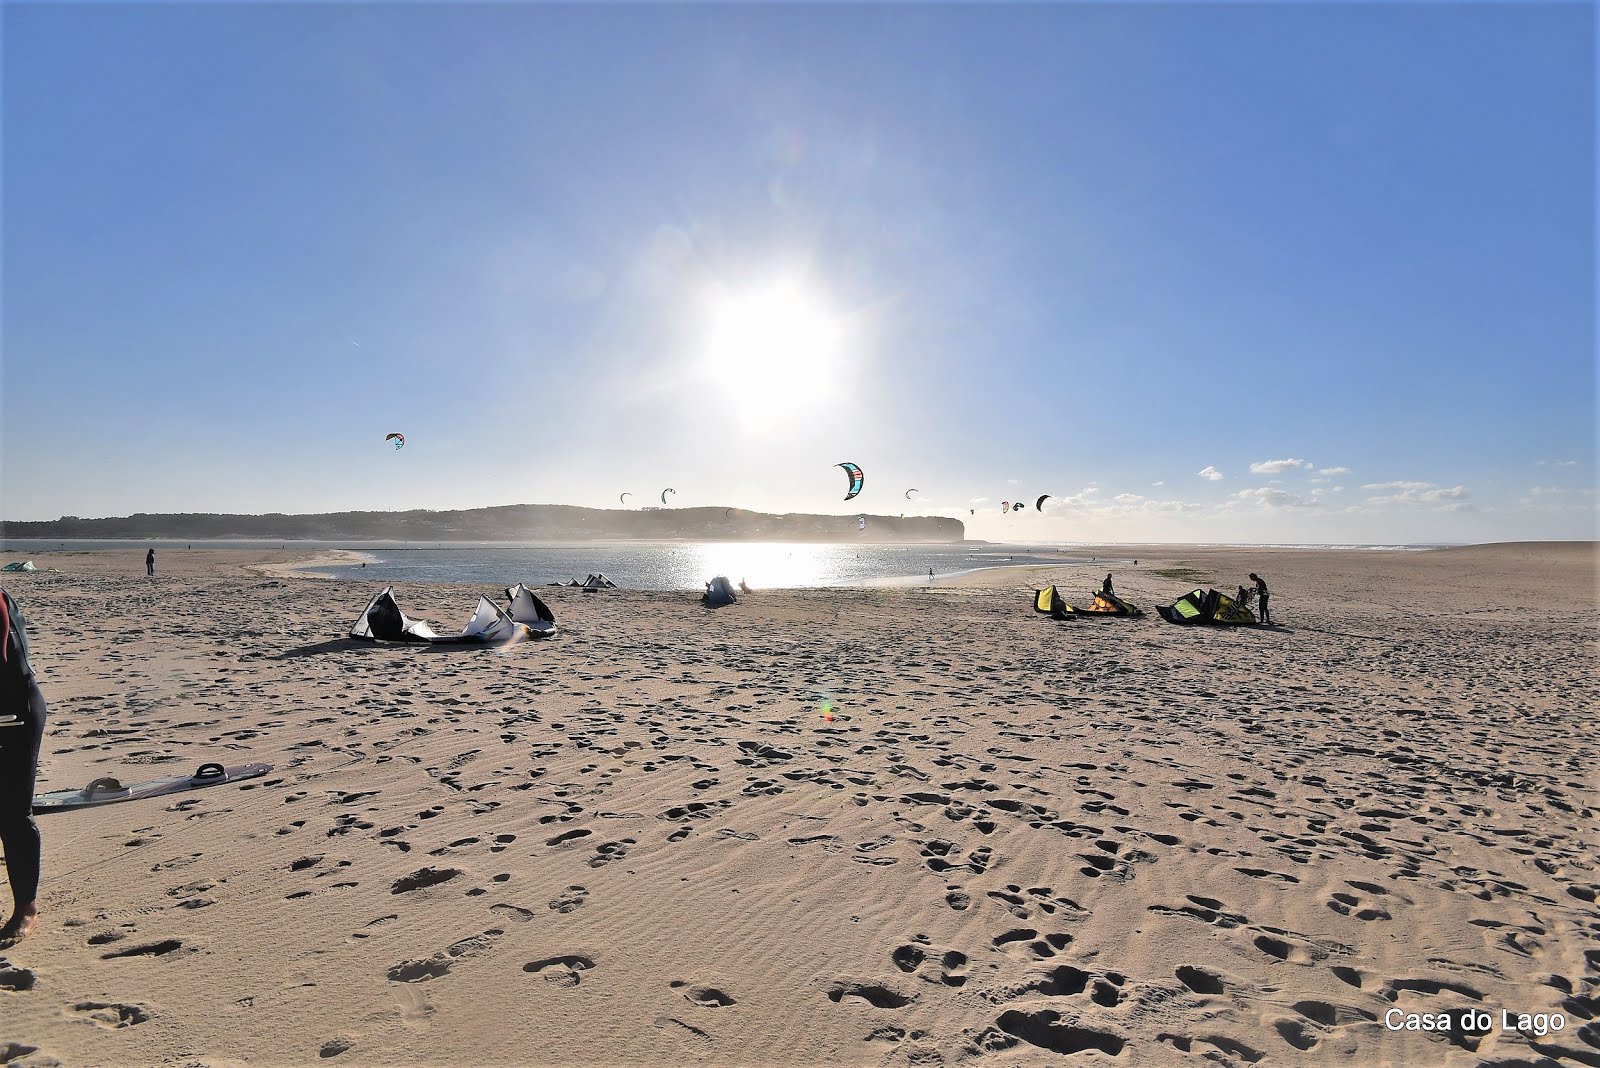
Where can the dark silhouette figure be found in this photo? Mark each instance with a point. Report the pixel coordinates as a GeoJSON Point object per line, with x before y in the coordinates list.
{"type": "Point", "coordinates": [150, 562]}
{"type": "Point", "coordinates": [22, 713]}
{"type": "Point", "coordinates": [1105, 587]}
{"type": "Point", "coordinates": [1262, 595]}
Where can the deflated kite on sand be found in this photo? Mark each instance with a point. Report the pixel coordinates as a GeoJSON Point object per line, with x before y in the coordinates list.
{"type": "Point", "coordinates": [1207, 606]}
{"type": "Point", "coordinates": [1103, 606]}
{"type": "Point", "coordinates": [383, 621]}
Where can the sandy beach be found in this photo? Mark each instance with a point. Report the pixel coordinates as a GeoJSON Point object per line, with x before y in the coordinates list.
{"type": "Point", "coordinates": [1017, 842]}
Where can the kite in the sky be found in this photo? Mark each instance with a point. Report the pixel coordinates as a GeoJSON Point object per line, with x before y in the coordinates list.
{"type": "Point", "coordinates": [624, 498]}
{"type": "Point", "coordinates": [1017, 507]}
{"type": "Point", "coordinates": [1005, 506]}
{"type": "Point", "coordinates": [398, 439]}
{"type": "Point", "coordinates": [861, 523]}
{"type": "Point", "coordinates": [857, 479]}
{"type": "Point", "coordinates": [664, 493]}
{"type": "Point", "coordinates": [1039, 504]}
{"type": "Point", "coordinates": [909, 492]}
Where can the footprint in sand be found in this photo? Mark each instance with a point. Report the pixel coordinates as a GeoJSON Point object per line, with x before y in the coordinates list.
{"type": "Point", "coordinates": [606, 852]}
{"type": "Point", "coordinates": [874, 994]}
{"type": "Point", "coordinates": [708, 997]}
{"type": "Point", "coordinates": [17, 979]}
{"type": "Point", "coordinates": [109, 1014]}
{"type": "Point", "coordinates": [1200, 980]}
{"type": "Point", "coordinates": [1026, 942]}
{"type": "Point", "coordinates": [422, 878]}
{"type": "Point", "coordinates": [566, 970]}
{"type": "Point", "coordinates": [570, 899]}
{"type": "Point", "coordinates": [920, 958]}
{"type": "Point", "coordinates": [1353, 905]}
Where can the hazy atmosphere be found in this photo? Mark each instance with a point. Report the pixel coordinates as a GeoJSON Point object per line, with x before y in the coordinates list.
{"type": "Point", "coordinates": [1317, 273]}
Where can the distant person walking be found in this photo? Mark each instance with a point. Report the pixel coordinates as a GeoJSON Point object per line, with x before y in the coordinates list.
{"type": "Point", "coordinates": [150, 562]}
{"type": "Point", "coordinates": [1262, 595]}
{"type": "Point", "coordinates": [930, 576]}
{"type": "Point", "coordinates": [22, 714]}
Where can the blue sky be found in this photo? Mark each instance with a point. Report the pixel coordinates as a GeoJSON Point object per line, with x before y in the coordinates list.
{"type": "Point", "coordinates": [989, 251]}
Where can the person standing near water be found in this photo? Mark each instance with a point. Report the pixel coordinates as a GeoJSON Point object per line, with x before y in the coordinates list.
{"type": "Point", "coordinates": [150, 562]}
{"type": "Point", "coordinates": [22, 713]}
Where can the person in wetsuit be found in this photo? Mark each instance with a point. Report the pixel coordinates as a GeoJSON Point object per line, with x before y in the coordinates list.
{"type": "Point", "coordinates": [22, 713]}
{"type": "Point", "coordinates": [1261, 595]}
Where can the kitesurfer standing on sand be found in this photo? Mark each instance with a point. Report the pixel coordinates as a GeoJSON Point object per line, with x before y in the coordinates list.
{"type": "Point", "coordinates": [1261, 595]}
{"type": "Point", "coordinates": [22, 714]}
{"type": "Point", "coordinates": [150, 563]}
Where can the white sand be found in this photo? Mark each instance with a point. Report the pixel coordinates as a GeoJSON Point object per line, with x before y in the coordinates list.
{"type": "Point", "coordinates": [1019, 842]}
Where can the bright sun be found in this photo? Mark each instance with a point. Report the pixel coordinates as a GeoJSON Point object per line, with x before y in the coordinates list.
{"type": "Point", "coordinates": [775, 349]}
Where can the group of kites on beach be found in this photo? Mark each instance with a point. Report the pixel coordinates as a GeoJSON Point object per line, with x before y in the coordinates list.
{"type": "Point", "coordinates": [22, 720]}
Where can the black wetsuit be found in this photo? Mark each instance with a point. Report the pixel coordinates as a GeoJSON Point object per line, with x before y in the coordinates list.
{"type": "Point", "coordinates": [19, 755]}
{"type": "Point", "coordinates": [150, 562]}
{"type": "Point", "coordinates": [1261, 596]}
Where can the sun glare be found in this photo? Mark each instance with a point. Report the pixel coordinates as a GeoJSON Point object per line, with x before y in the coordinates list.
{"type": "Point", "coordinates": [774, 348]}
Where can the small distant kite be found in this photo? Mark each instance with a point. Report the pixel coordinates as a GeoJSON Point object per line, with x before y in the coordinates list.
{"type": "Point", "coordinates": [1017, 507]}
{"type": "Point", "coordinates": [727, 513]}
{"type": "Point", "coordinates": [664, 493]}
{"type": "Point", "coordinates": [1005, 506]}
{"type": "Point", "coordinates": [861, 523]}
{"type": "Point", "coordinates": [909, 492]}
{"type": "Point", "coordinates": [398, 439]}
{"type": "Point", "coordinates": [857, 479]}
{"type": "Point", "coordinates": [1039, 504]}
{"type": "Point", "coordinates": [624, 498]}
{"type": "Point", "coordinates": [972, 511]}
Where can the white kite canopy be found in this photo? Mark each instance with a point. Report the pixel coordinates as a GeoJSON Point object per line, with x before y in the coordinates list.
{"type": "Point", "coordinates": [489, 623]}
{"type": "Point", "coordinates": [526, 608]}
{"type": "Point", "coordinates": [598, 582]}
{"type": "Point", "coordinates": [382, 621]}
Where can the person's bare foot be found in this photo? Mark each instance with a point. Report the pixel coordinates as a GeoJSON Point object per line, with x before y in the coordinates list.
{"type": "Point", "coordinates": [21, 924]}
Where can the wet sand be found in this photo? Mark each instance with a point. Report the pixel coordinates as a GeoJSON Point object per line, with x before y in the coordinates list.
{"type": "Point", "coordinates": [1017, 842]}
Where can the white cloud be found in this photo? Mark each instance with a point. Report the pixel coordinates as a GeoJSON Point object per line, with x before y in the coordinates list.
{"type": "Point", "coordinates": [1157, 485]}
{"type": "Point", "coordinates": [1331, 472]}
{"type": "Point", "coordinates": [1427, 493]}
{"type": "Point", "coordinates": [1127, 498]}
{"type": "Point", "coordinates": [1397, 486]}
{"type": "Point", "coordinates": [1274, 498]}
{"type": "Point", "coordinates": [1278, 467]}
{"type": "Point", "coordinates": [978, 500]}
{"type": "Point", "coordinates": [1211, 474]}
{"type": "Point", "coordinates": [1558, 463]}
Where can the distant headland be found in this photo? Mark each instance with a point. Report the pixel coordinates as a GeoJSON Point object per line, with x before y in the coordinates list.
{"type": "Point", "coordinates": [515, 522]}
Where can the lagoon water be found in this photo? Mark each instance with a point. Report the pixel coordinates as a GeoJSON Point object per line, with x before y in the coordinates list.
{"type": "Point", "coordinates": [687, 565]}
{"type": "Point", "coordinates": [634, 565]}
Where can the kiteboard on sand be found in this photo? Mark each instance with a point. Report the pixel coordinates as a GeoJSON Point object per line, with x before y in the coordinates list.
{"type": "Point", "coordinates": [108, 790]}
